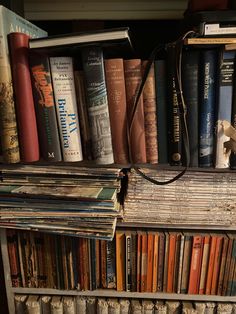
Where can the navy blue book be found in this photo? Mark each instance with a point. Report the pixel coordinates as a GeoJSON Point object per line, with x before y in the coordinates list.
{"type": "Point", "coordinates": [207, 94]}
{"type": "Point", "coordinates": [190, 71]}
{"type": "Point", "coordinates": [174, 118]}
{"type": "Point", "coordinates": [161, 100]}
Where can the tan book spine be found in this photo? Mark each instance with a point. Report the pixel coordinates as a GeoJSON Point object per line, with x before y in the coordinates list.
{"type": "Point", "coordinates": [133, 76]}
{"type": "Point", "coordinates": [144, 256]}
{"type": "Point", "coordinates": [205, 259]}
{"type": "Point", "coordinates": [155, 261]}
{"type": "Point", "coordinates": [116, 93]}
{"type": "Point", "coordinates": [181, 256]}
{"type": "Point", "coordinates": [150, 115]}
{"type": "Point", "coordinates": [120, 262]}
{"type": "Point", "coordinates": [186, 262]}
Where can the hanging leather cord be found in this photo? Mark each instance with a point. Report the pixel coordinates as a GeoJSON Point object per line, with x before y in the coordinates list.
{"type": "Point", "coordinates": [182, 108]}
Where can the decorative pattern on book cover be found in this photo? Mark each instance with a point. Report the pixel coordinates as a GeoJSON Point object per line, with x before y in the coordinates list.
{"type": "Point", "coordinates": [150, 115]}
{"type": "Point", "coordinates": [225, 91]}
{"type": "Point", "coordinates": [115, 82]}
{"type": "Point", "coordinates": [10, 22]}
{"type": "Point", "coordinates": [133, 75]}
{"type": "Point", "coordinates": [190, 70]}
{"type": "Point", "coordinates": [66, 106]}
{"type": "Point", "coordinates": [175, 138]}
{"type": "Point", "coordinates": [92, 59]}
{"type": "Point", "coordinates": [24, 102]}
{"type": "Point", "coordinates": [45, 107]}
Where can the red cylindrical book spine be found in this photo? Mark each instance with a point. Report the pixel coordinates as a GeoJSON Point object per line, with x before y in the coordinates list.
{"type": "Point", "coordinates": [25, 111]}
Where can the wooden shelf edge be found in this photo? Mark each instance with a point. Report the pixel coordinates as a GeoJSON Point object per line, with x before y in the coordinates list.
{"type": "Point", "coordinates": [125, 294]}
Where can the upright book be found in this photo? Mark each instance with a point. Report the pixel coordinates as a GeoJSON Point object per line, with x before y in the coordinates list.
{"type": "Point", "coordinates": [10, 22]}
{"type": "Point", "coordinates": [66, 106]}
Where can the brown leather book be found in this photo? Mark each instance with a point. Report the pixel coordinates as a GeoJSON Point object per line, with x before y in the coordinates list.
{"type": "Point", "coordinates": [227, 265]}
{"type": "Point", "coordinates": [222, 264]}
{"type": "Point", "coordinates": [150, 115]}
{"type": "Point", "coordinates": [188, 239]}
{"type": "Point", "coordinates": [150, 252]}
{"type": "Point", "coordinates": [25, 112]}
{"type": "Point", "coordinates": [116, 94]}
{"type": "Point", "coordinates": [133, 76]}
{"type": "Point", "coordinates": [161, 256]}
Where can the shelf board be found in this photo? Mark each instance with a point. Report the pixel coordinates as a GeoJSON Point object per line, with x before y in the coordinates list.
{"type": "Point", "coordinates": [123, 294]}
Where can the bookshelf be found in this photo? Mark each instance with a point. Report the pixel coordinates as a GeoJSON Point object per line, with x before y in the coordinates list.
{"type": "Point", "coordinates": [45, 10]}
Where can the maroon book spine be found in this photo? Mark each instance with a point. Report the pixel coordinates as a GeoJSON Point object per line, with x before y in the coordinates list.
{"type": "Point", "coordinates": [25, 112]}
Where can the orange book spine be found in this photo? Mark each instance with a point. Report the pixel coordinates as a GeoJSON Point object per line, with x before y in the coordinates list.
{"type": "Point", "coordinates": [216, 266]}
{"type": "Point", "coordinates": [144, 263]}
{"type": "Point", "coordinates": [120, 261]}
{"type": "Point", "coordinates": [150, 247]}
{"type": "Point", "coordinates": [195, 266]}
{"type": "Point", "coordinates": [155, 262]}
{"type": "Point", "coordinates": [171, 262]}
{"type": "Point", "coordinates": [211, 264]}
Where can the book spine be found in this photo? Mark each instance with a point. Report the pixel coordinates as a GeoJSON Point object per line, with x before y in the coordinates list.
{"type": "Point", "coordinates": [231, 270]}
{"type": "Point", "coordinates": [161, 256]}
{"type": "Point", "coordinates": [222, 265]}
{"type": "Point", "coordinates": [98, 112]}
{"type": "Point", "coordinates": [66, 107]}
{"type": "Point", "coordinates": [83, 114]}
{"type": "Point", "coordinates": [186, 263]}
{"type": "Point", "coordinates": [150, 115]}
{"type": "Point", "coordinates": [93, 263]}
{"type": "Point", "coordinates": [120, 266]}
{"type": "Point", "coordinates": [207, 98]}
{"type": "Point", "coordinates": [175, 138]}
{"type": "Point", "coordinates": [227, 266]}
{"type": "Point", "coordinates": [133, 261]}
{"type": "Point", "coordinates": [103, 264]}
{"type": "Point", "coordinates": [210, 264]}
{"type": "Point", "coordinates": [13, 258]}
{"type": "Point", "coordinates": [190, 70]}
{"type": "Point", "coordinates": [115, 82]}
{"type": "Point", "coordinates": [150, 252]}
{"type": "Point", "coordinates": [133, 76]}
{"type": "Point", "coordinates": [155, 262]}
{"type": "Point", "coordinates": [181, 256]}
{"type": "Point", "coordinates": [171, 262]}
{"type": "Point", "coordinates": [128, 262]}
{"type": "Point", "coordinates": [204, 266]}
{"type": "Point", "coordinates": [224, 107]}
{"type": "Point", "coordinates": [194, 274]}
{"type": "Point", "coordinates": [111, 267]}
{"type": "Point", "coordinates": [144, 253]}
{"type": "Point", "coordinates": [216, 267]}
{"type": "Point", "coordinates": [161, 100]}
{"type": "Point", "coordinates": [25, 112]}
{"type": "Point", "coordinates": [45, 107]}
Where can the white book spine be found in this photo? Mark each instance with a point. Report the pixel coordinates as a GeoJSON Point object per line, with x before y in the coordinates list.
{"type": "Point", "coordinates": [66, 106]}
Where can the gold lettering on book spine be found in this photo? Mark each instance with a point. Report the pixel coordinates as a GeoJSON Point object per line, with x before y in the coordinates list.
{"type": "Point", "coordinates": [8, 125]}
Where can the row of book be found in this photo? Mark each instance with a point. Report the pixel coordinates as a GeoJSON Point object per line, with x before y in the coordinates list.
{"type": "Point", "coordinates": [35, 304]}
{"type": "Point", "coordinates": [71, 201]}
{"type": "Point", "coordinates": [137, 261]}
{"type": "Point", "coordinates": [32, 304]}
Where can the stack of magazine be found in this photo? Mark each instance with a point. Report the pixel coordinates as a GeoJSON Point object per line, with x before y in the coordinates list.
{"type": "Point", "coordinates": [198, 198]}
{"type": "Point", "coordinates": [69, 200]}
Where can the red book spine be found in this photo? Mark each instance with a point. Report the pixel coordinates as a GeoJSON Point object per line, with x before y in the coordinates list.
{"type": "Point", "coordinates": [25, 112]}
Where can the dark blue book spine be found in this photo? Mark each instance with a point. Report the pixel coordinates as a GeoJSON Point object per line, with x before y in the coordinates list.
{"type": "Point", "coordinates": [161, 100]}
{"type": "Point", "coordinates": [190, 70]}
{"type": "Point", "coordinates": [207, 93]}
{"type": "Point", "coordinates": [174, 132]}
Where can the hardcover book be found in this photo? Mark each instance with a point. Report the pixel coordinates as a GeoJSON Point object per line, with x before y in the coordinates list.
{"type": "Point", "coordinates": [10, 22]}
{"type": "Point", "coordinates": [24, 102]}
{"type": "Point", "coordinates": [45, 107]}
{"type": "Point", "coordinates": [98, 112]}
{"type": "Point", "coordinates": [66, 106]}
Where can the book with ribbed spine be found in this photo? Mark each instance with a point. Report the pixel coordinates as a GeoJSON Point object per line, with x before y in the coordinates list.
{"type": "Point", "coordinates": [66, 107]}
{"type": "Point", "coordinates": [98, 112]}
{"type": "Point", "coordinates": [45, 107]}
{"type": "Point", "coordinates": [10, 22]}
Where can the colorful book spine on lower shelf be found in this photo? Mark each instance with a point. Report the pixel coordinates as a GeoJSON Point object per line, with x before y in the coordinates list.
{"type": "Point", "coordinates": [98, 111]}
{"type": "Point", "coordinates": [66, 106]}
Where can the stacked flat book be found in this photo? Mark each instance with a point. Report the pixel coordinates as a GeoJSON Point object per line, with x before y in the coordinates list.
{"type": "Point", "coordinates": [69, 200]}
{"type": "Point", "coordinates": [198, 198]}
